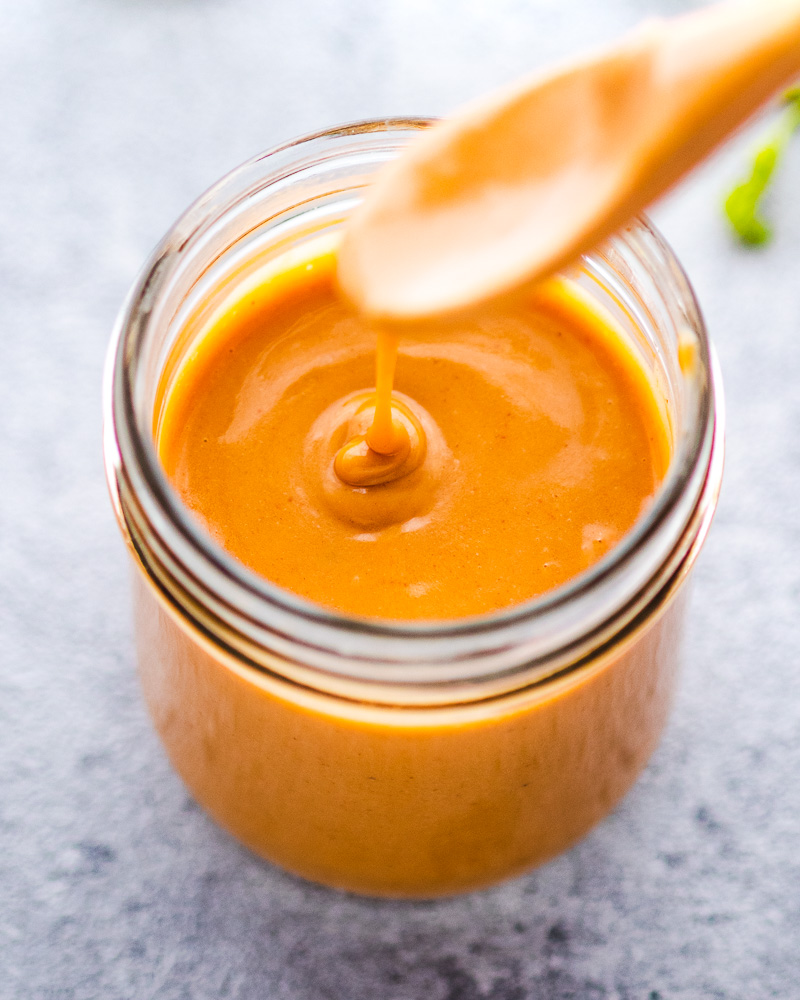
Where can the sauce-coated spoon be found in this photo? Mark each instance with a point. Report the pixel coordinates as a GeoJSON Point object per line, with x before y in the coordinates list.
{"type": "Point", "coordinates": [520, 183]}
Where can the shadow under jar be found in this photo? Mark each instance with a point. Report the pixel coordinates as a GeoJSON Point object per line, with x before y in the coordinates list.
{"type": "Point", "coordinates": [390, 758]}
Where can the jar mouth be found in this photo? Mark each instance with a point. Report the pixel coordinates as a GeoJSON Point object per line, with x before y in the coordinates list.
{"type": "Point", "coordinates": [251, 616]}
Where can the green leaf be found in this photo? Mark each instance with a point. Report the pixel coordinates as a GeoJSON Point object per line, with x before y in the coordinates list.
{"type": "Point", "coordinates": [743, 204]}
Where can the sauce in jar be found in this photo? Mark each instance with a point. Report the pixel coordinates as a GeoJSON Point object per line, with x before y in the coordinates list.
{"type": "Point", "coordinates": [306, 613]}
{"type": "Point", "coordinates": [529, 442]}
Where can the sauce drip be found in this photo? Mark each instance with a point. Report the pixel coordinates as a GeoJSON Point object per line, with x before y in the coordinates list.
{"type": "Point", "coordinates": [394, 443]}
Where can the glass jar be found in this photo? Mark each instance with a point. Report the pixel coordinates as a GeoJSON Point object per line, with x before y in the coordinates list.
{"type": "Point", "coordinates": [393, 758]}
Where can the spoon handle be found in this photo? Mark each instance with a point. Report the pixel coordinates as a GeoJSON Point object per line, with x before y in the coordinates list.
{"type": "Point", "coordinates": [521, 182]}
{"type": "Point", "coordinates": [717, 66]}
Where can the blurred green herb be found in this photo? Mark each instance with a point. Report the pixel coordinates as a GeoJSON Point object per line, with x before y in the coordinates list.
{"type": "Point", "coordinates": [743, 203]}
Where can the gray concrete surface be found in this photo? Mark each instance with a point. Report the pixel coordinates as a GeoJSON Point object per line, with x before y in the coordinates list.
{"type": "Point", "coordinates": [114, 114]}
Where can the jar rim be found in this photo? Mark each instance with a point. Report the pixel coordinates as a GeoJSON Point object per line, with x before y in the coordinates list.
{"type": "Point", "coordinates": [265, 614]}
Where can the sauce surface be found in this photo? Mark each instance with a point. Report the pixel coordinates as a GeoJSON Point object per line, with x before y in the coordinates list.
{"type": "Point", "coordinates": [539, 443]}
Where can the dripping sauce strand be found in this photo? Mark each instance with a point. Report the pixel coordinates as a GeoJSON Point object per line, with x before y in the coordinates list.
{"type": "Point", "coordinates": [394, 444]}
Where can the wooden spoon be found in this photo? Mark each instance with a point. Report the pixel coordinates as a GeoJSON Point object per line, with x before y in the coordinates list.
{"type": "Point", "coordinates": [520, 183]}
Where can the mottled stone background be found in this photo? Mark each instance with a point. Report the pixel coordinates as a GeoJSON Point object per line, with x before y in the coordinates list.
{"type": "Point", "coordinates": [114, 114]}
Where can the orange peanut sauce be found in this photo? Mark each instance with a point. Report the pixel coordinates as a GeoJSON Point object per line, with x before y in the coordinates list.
{"type": "Point", "coordinates": [512, 448]}
{"type": "Point", "coordinates": [531, 440]}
